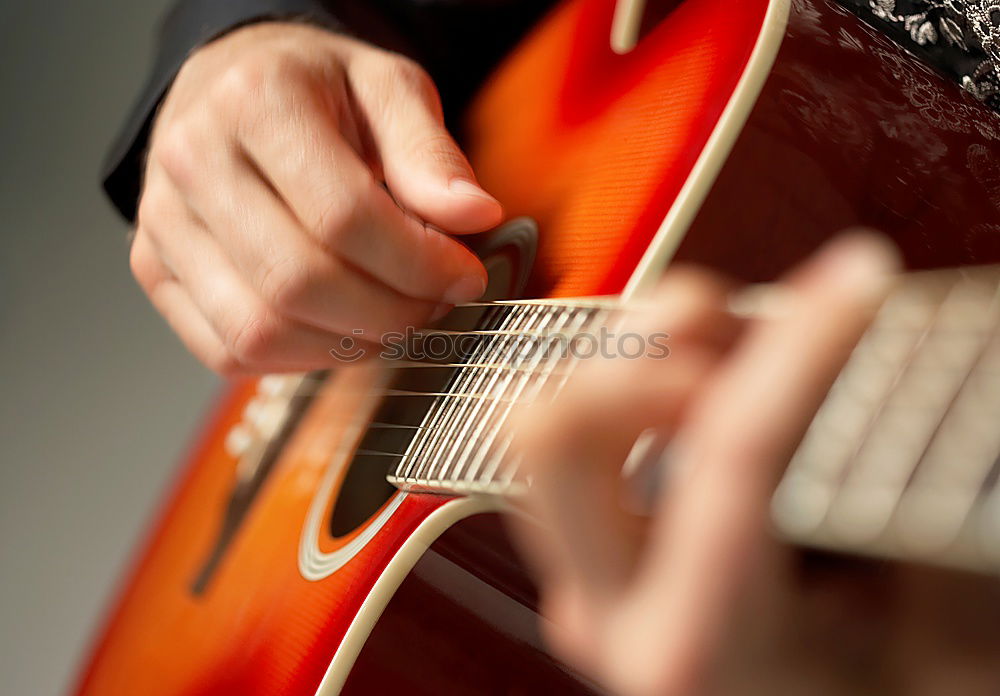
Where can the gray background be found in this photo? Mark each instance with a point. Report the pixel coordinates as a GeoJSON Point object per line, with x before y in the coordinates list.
{"type": "Point", "coordinates": [98, 398]}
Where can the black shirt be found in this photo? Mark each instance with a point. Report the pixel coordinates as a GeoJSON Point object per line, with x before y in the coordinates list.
{"type": "Point", "coordinates": [459, 41]}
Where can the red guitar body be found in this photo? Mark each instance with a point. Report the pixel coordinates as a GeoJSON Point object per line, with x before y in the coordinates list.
{"type": "Point", "coordinates": [738, 135]}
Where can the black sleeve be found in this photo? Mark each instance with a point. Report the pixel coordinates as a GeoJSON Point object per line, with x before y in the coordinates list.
{"type": "Point", "coordinates": [189, 24]}
{"type": "Point", "coordinates": [456, 41]}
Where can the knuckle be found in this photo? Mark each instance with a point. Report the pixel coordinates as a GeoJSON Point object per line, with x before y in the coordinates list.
{"type": "Point", "coordinates": [253, 340]}
{"type": "Point", "coordinates": [154, 208]}
{"type": "Point", "coordinates": [255, 77]}
{"type": "Point", "coordinates": [285, 283]}
{"type": "Point", "coordinates": [176, 150]}
{"type": "Point", "coordinates": [404, 71]}
{"type": "Point", "coordinates": [441, 151]}
{"type": "Point", "coordinates": [408, 75]}
{"type": "Point", "coordinates": [282, 67]}
{"type": "Point", "coordinates": [223, 362]}
{"type": "Point", "coordinates": [142, 266]}
{"type": "Point", "coordinates": [332, 223]}
{"type": "Point", "coordinates": [342, 213]}
{"type": "Point", "coordinates": [239, 81]}
{"type": "Point", "coordinates": [389, 74]}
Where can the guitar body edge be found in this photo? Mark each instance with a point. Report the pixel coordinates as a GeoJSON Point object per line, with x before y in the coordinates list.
{"type": "Point", "coordinates": [399, 567]}
{"type": "Point", "coordinates": [846, 129]}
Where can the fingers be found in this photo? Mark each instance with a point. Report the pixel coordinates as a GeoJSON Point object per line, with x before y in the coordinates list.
{"type": "Point", "coordinates": [577, 471]}
{"type": "Point", "coordinates": [335, 198]}
{"type": "Point", "coordinates": [176, 306]}
{"type": "Point", "coordinates": [286, 267]}
{"type": "Point", "coordinates": [254, 335]}
{"type": "Point", "coordinates": [642, 608]}
{"type": "Point", "coordinates": [739, 433]}
{"type": "Point", "coordinates": [273, 172]}
{"type": "Point", "coordinates": [573, 449]}
{"type": "Point", "coordinates": [425, 169]}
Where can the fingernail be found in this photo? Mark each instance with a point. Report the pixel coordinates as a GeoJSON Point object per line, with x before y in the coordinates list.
{"type": "Point", "coordinates": [468, 289]}
{"type": "Point", "coordinates": [464, 187]}
{"type": "Point", "coordinates": [441, 311]}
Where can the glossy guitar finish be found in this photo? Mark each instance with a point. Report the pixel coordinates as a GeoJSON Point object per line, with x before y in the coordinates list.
{"type": "Point", "coordinates": [613, 156]}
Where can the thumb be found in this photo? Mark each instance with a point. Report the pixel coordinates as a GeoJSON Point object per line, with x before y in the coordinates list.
{"type": "Point", "coordinates": [425, 170]}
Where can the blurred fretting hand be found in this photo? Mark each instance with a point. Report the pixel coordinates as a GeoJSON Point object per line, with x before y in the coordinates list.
{"type": "Point", "coordinates": [265, 232]}
{"type": "Point", "coordinates": [639, 603]}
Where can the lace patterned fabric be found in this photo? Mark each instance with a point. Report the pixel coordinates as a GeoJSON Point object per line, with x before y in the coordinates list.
{"type": "Point", "coordinates": [959, 37]}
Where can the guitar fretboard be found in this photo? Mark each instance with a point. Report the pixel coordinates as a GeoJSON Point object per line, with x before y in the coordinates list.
{"type": "Point", "coordinates": [901, 460]}
{"type": "Point", "coordinates": [461, 445]}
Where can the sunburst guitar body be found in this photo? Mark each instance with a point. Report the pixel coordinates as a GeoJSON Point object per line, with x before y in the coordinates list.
{"type": "Point", "coordinates": [297, 555]}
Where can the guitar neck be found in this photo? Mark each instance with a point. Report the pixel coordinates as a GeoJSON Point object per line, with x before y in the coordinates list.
{"type": "Point", "coordinates": [901, 460]}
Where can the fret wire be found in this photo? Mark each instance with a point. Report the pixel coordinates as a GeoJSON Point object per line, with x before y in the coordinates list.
{"type": "Point", "coordinates": [901, 372]}
{"type": "Point", "coordinates": [472, 474]}
{"type": "Point", "coordinates": [910, 357]}
{"type": "Point", "coordinates": [599, 318]}
{"type": "Point", "coordinates": [433, 414]}
{"type": "Point", "coordinates": [442, 410]}
{"type": "Point", "coordinates": [497, 460]}
{"type": "Point", "coordinates": [431, 417]}
{"type": "Point", "coordinates": [534, 317]}
{"type": "Point", "coordinates": [964, 484]}
{"type": "Point", "coordinates": [988, 514]}
{"type": "Point", "coordinates": [920, 469]}
{"type": "Point", "coordinates": [853, 477]}
{"type": "Point", "coordinates": [896, 520]}
{"type": "Point", "coordinates": [501, 469]}
{"type": "Point", "coordinates": [483, 476]}
{"type": "Point", "coordinates": [977, 360]}
{"type": "Point", "coordinates": [608, 302]}
{"type": "Point", "coordinates": [452, 366]}
{"type": "Point", "coordinates": [441, 395]}
{"type": "Point", "coordinates": [823, 461]}
{"type": "Point", "coordinates": [483, 381]}
{"type": "Point", "coordinates": [317, 387]}
{"type": "Point", "coordinates": [453, 411]}
{"type": "Point", "coordinates": [511, 333]}
{"type": "Point", "coordinates": [575, 323]}
{"type": "Point", "coordinates": [468, 435]}
{"type": "Point", "coordinates": [579, 322]}
{"type": "Point", "coordinates": [511, 466]}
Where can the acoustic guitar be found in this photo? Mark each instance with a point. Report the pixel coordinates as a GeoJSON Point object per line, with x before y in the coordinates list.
{"type": "Point", "coordinates": [340, 532]}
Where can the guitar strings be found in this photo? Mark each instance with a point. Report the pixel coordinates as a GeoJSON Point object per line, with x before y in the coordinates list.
{"type": "Point", "coordinates": [436, 437]}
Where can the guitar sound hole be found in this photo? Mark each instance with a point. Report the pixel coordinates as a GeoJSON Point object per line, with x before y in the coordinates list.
{"type": "Point", "coordinates": [365, 489]}
{"type": "Point", "coordinates": [508, 254]}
